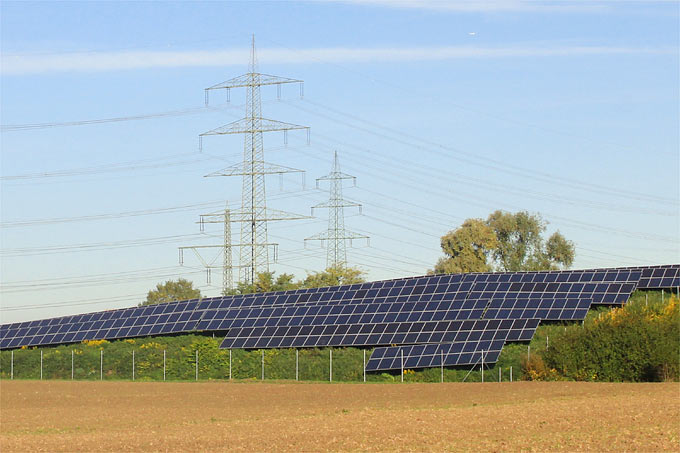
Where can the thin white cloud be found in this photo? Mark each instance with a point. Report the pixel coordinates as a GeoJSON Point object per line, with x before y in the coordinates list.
{"type": "Point", "coordinates": [12, 65]}
{"type": "Point", "coordinates": [487, 6]}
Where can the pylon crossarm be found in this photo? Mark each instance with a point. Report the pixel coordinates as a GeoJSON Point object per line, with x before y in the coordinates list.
{"type": "Point", "coordinates": [336, 175]}
{"type": "Point", "coordinates": [336, 204]}
{"type": "Point", "coordinates": [253, 79]}
{"type": "Point", "coordinates": [264, 168]}
{"type": "Point", "coordinates": [253, 125]}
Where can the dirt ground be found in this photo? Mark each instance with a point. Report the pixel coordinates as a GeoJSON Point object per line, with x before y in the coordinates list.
{"type": "Point", "coordinates": [220, 416]}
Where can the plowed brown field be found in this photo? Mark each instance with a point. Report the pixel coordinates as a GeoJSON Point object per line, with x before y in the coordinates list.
{"type": "Point", "coordinates": [140, 416]}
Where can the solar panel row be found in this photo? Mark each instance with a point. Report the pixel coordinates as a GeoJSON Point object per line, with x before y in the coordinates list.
{"type": "Point", "coordinates": [353, 315]}
{"type": "Point", "coordinates": [367, 334]}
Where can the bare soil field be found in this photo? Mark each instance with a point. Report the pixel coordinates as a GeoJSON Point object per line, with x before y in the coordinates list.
{"type": "Point", "coordinates": [271, 417]}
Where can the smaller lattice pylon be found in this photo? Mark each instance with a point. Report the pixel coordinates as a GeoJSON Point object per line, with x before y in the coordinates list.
{"type": "Point", "coordinates": [336, 235]}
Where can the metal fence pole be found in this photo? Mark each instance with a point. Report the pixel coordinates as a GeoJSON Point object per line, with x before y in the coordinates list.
{"type": "Point", "coordinates": [230, 364]}
{"type": "Point", "coordinates": [528, 353]}
{"type": "Point", "coordinates": [101, 364]}
{"type": "Point", "coordinates": [500, 374]}
{"type": "Point", "coordinates": [197, 364]}
{"type": "Point", "coordinates": [662, 296]}
{"type": "Point", "coordinates": [510, 374]}
{"type": "Point", "coordinates": [330, 365]}
{"type": "Point", "coordinates": [482, 365]}
{"type": "Point", "coordinates": [263, 364]}
{"type": "Point", "coordinates": [11, 367]}
{"type": "Point", "coordinates": [364, 365]}
{"type": "Point", "coordinates": [164, 364]}
{"type": "Point", "coordinates": [72, 354]}
{"type": "Point", "coordinates": [547, 344]}
{"type": "Point", "coordinates": [297, 364]}
{"type": "Point", "coordinates": [133, 364]}
{"type": "Point", "coordinates": [442, 364]}
{"type": "Point", "coordinates": [41, 363]}
{"type": "Point", "coordinates": [402, 365]}
{"type": "Point", "coordinates": [646, 299]}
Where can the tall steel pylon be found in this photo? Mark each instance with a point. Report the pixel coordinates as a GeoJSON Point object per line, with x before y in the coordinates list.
{"type": "Point", "coordinates": [336, 234]}
{"type": "Point", "coordinates": [253, 215]}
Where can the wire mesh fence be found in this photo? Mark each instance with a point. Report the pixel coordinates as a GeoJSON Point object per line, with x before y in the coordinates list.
{"type": "Point", "coordinates": [153, 362]}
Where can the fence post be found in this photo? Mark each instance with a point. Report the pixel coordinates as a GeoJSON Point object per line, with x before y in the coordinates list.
{"type": "Point", "coordinates": [41, 363]}
{"type": "Point", "coordinates": [547, 344]}
{"type": "Point", "coordinates": [528, 353]}
{"type": "Point", "coordinates": [402, 365]}
{"type": "Point", "coordinates": [500, 374]}
{"type": "Point", "coordinates": [263, 364]}
{"type": "Point", "coordinates": [482, 365]}
{"type": "Point", "coordinates": [364, 365]}
{"type": "Point", "coordinates": [441, 351]}
{"type": "Point", "coordinates": [330, 365]}
{"type": "Point", "coordinates": [662, 294]}
{"type": "Point", "coordinates": [646, 299]}
{"type": "Point", "coordinates": [297, 364]}
{"type": "Point", "coordinates": [133, 364]}
{"type": "Point", "coordinates": [11, 367]}
{"type": "Point", "coordinates": [230, 364]}
{"type": "Point", "coordinates": [197, 364]}
{"type": "Point", "coordinates": [101, 364]}
{"type": "Point", "coordinates": [510, 374]}
{"type": "Point", "coordinates": [72, 354]}
{"type": "Point", "coordinates": [163, 364]}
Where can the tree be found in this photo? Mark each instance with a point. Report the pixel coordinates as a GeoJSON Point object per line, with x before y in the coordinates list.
{"type": "Point", "coordinates": [504, 242]}
{"type": "Point", "coordinates": [467, 248]}
{"type": "Point", "coordinates": [521, 246]}
{"type": "Point", "coordinates": [171, 291]}
{"type": "Point", "coordinates": [333, 276]}
{"type": "Point", "coordinates": [265, 282]}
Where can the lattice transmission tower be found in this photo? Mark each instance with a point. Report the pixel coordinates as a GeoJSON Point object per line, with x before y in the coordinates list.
{"type": "Point", "coordinates": [254, 246]}
{"type": "Point", "coordinates": [336, 235]}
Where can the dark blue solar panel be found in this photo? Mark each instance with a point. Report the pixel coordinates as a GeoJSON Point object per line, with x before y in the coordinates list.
{"type": "Point", "coordinates": [609, 286]}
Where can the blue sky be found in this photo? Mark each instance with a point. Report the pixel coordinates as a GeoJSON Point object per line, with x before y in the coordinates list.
{"type": "Point", "coordinates": [442, 110]}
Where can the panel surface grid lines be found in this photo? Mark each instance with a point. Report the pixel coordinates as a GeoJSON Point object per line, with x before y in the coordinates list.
{"type": "Point", "coordinates": [430, 355]}
{"type": "Point", "coordinates": [458, 296]}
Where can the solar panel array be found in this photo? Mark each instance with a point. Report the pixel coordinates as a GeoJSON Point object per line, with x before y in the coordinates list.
{"type": "Point", "coordinates": [408, 311]}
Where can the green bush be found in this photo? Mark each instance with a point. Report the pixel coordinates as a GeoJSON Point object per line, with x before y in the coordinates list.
{"type": "Point", "coordinates": [638, 342]}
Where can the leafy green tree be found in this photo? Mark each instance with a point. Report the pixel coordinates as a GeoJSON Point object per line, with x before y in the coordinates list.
{"type": "Point", "coordinates": [265, 282]}
{"type": "Point", "coordinates": [504, 242]}
{"type": "Point", "coordinates": [333, 276]}
{"type": "Point", "coordinates": [171, 291]}
{"type": "Point", "coordinates": [467, 248]}
{"type": "Point", "coordinates": [521, 246]}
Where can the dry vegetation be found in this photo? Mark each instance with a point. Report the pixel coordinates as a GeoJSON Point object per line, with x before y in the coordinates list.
{"type": "Point", "coordinates": [218, 416]}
